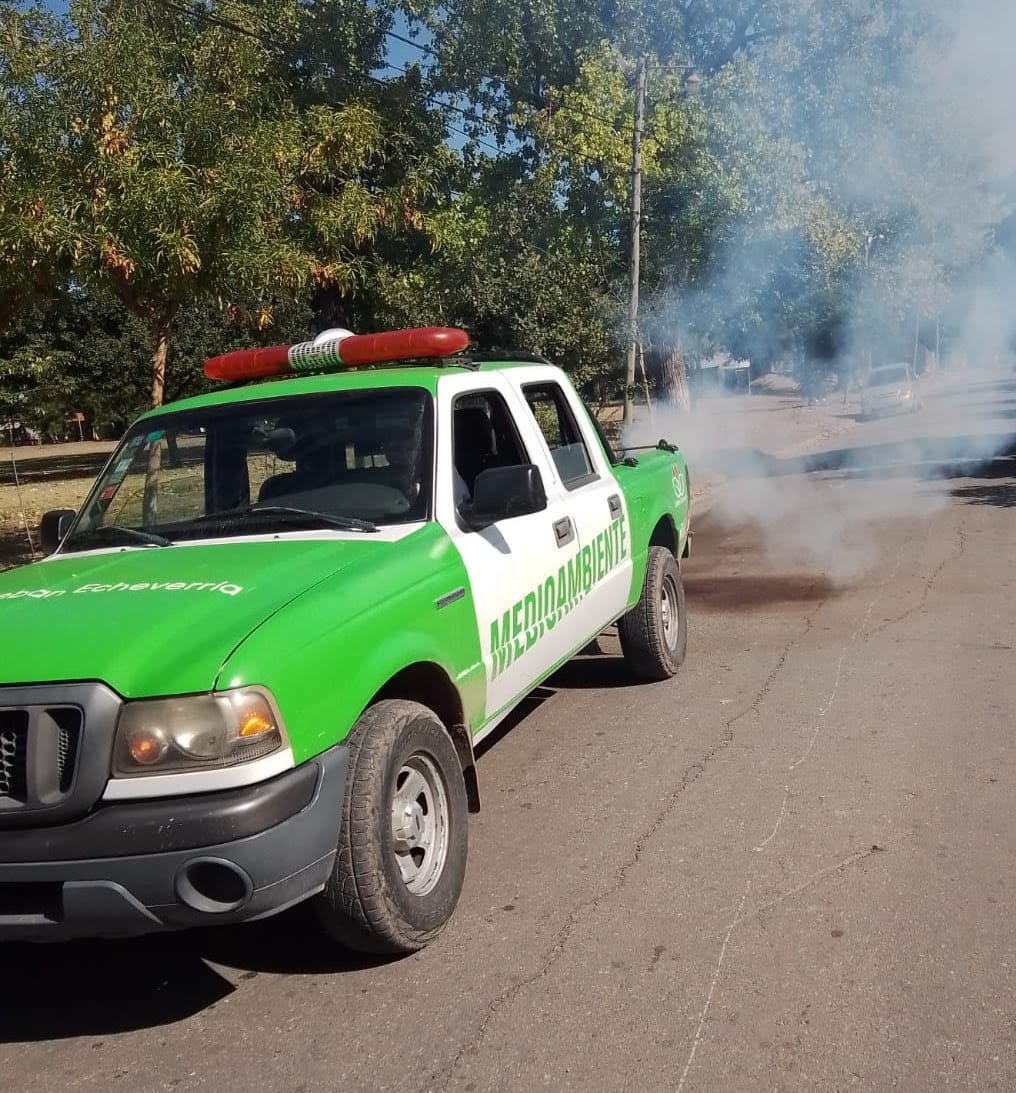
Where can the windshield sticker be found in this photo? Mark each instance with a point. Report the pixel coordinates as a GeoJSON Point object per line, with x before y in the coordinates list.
{"type": "Point", "coordinates": [540, 610]}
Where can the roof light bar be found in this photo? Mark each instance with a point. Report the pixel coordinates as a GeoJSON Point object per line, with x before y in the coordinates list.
{"type": "Point", "coordinates": [340, 349]}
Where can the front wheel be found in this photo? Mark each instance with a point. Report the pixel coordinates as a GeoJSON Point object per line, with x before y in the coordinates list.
{"type": "Point", "coordinates": [403, 837]}
{"type": "Point", "coordinates": [654, 633]}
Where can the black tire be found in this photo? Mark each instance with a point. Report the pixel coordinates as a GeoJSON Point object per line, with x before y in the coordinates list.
{"type": "Point", "coordinates": [369, 903]}
{"type": "Point", "coordinates": [654, 633]}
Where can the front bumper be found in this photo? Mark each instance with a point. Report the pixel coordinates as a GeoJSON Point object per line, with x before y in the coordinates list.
{"type": "Point", "coordinates": [141, 867]}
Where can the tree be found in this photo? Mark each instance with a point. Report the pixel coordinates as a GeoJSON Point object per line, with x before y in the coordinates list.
{"type": "Point", "coordinates": [32, 229]}
{"type": "Point", "coordinates": [85, 351]}
{"type": "Point", "coordinates": [193, 173]}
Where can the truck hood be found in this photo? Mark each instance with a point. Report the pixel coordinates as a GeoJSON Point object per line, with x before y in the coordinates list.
{"type": "Point", "coordinates": [157, 620]}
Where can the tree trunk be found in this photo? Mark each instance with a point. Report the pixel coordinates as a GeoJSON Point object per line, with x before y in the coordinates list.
{"type": "Point", "coordinates": [161, 325]}
{"type": "Point", "coordinates": [331, 309]}
{"type": "Point", "coordinates": [673, 377]}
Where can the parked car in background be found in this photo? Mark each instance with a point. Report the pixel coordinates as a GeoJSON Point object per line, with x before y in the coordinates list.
{"type": "Point", "coordinates": [890, 388]}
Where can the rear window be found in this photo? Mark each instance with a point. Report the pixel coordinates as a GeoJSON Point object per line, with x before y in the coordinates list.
{"type": "Point", "coordinates": [561, 432]}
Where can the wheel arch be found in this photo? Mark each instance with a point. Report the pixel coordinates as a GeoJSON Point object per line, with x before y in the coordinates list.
{"type": "Point", "coordinates": [428, 684]}
{"type": "Point", "coordinates": [665, 535]}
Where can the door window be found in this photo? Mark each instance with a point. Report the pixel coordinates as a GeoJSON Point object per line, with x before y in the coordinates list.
{"type": "Point", "coordinates": [483, 436]}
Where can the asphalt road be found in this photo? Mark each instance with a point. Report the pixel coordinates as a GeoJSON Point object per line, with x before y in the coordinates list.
{"type": "Point", "coordinates": [789, 869]}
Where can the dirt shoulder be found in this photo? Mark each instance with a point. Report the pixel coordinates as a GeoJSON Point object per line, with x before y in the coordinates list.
{"type": "Point", "coordinates": [38, 478]}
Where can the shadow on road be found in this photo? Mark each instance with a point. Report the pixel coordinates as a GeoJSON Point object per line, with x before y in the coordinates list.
{"type": "Point", "coordinates": [99, 988]}
{"type": "Point", "coordinates": [595, 669]}
{"type": "Point", "coordinates": [1001, 495]}
{"type": "Point", "coordinates": [96, 988]}
{"type": "Point", "coordinates": [757, 591]}
{"type": "Point", "coordinates": [919, 458]}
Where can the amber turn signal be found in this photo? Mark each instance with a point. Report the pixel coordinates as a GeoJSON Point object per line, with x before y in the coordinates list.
{"type": "Point", "coordinates": [147, 746]}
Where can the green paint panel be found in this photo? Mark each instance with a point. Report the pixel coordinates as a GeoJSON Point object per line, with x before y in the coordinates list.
{"type": "Point", "coordinates": [160, 620]}
{"type": "Point", "coordinates": [655, 489]}
{"type": "Point", "coordinates": [326, 655]}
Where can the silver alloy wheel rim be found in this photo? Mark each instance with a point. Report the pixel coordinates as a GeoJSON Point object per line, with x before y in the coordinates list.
{"type": "Point", "coordinates": [420, 824]}
{"type": "Point", "coordinates": [669, 612]}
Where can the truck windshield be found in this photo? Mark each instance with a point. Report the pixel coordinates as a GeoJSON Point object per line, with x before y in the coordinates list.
{"type": "Point", "coordinates": [350, 460]}
{"type": "Point", "coordinates": [882, 377]}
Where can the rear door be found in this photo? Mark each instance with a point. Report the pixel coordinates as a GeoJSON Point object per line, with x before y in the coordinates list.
{"type": "Point", "coordinates": [591, 496]}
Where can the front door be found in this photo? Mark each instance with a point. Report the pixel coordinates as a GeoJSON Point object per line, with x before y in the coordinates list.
{"type": "Point", "coordinates": [518, 568]}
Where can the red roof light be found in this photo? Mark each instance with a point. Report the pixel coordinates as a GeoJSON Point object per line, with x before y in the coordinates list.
{"type": "Point", "coordinates": [349, 350]}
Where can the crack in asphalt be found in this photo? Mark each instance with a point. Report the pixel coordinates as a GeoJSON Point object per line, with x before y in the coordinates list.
{"type": "Point", "coordinates": [860, 631]}
{"type": "Point", "coordinates": [739, 918]}
{"type": "Point", "coordinates": [815, 878]}
{"type": "Point", "coordinates": [441, 1081]}
{"type": "Point", "coordinates": [955, 554]}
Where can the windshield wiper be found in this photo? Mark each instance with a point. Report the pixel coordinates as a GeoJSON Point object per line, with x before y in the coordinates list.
{"type": "Point", "coordinates": [121, 532]}
{"type": "Point", "coordinates": [289, 515]}
{"type": "Point", "coordinates": [283, 514]}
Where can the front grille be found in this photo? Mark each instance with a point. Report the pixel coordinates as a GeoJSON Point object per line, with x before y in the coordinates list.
{"type": "Point", "coordinates": [55, 747]}
{"type": "Point", "coordinates": [14, 754]}
{"type": "Point", "coordinates": [38, 752]}
{"type": "Point", "coordinates": [68, 723]}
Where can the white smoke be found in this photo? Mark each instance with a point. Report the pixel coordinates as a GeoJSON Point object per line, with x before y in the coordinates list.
{"type": "Point", "coordinates": [921, 154]}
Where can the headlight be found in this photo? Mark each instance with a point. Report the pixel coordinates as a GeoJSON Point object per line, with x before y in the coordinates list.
{"type": "Point", "coordinates": [196, 732]}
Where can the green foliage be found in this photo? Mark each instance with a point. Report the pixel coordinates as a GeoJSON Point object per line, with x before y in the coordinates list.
{"type": "Point", "coordinates": [189, 164]}
{"type": "Point", "coordinates": [33, 232]}
{"type": "Point", "coordinates": [87, 352]}
{"type": "Point", "coordinates": [177, 177]}
{"type": "Point", "coordinates": [196, 161]}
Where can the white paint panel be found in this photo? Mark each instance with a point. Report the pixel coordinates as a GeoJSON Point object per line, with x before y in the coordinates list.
{"type": "Point", "coordinates": [513, 564]}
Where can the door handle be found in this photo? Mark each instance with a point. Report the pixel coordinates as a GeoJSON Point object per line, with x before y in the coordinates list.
{"type": "Point", "coordinates": [614, 504]}
{"type": "Point", "coordinates": [564, 531]}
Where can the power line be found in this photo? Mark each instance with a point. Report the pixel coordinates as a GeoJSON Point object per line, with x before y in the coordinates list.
{"type": "Point", "coordinates": [431, 52]}
{"type": "Point", "coordinates": [273, 43]}
{"type": "Point", "coordinates": [447, 106]}
{"type": "Point", "coordinates": [428, 50]}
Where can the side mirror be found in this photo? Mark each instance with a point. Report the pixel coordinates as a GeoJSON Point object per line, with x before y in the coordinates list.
{"type": "Point", "coordinates": [503, 492]}
{"type": "Point", "coordinates": [55, 525]}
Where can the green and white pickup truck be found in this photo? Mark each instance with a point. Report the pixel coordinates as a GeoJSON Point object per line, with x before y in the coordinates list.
{"type": "Point", "coordinates": [253, 668]}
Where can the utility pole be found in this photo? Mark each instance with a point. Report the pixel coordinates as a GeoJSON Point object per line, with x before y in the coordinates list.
{"type": "Point", "coordinates": [636, 230]}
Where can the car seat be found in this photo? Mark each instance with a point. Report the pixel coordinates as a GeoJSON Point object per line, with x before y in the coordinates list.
{"type": "Point", "coordinates": [474, 443]}
{"type": "Point", "coordinates": [280, 485]}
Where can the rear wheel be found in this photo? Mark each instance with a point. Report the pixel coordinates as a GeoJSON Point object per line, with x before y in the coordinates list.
{"type": "Point", "coordinates": [654, 633]}
{"type": "Point", "coordinates": [403, 837]}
